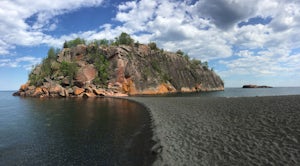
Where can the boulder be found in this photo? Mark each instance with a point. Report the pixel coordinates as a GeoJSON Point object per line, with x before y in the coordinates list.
{"type": "Point", "coordinates": [29, 92]}
{"type": "Point", "coordinates": [85, 75]}
{"type": "Point", "coordinates": [186, 89]}
{"type": "Point", "coordinates": [78, 52]}
{"type": "Point", "coordinates": [55, 88]}
{"type": "Point", "coordinates": [18, 93]}
{"type": "Point", "coordinates": [64, 55]}
{"type": "Point", "coordinates": [88, 90]}
{"type": "Point", "coordinates": [65, 81]}
{"type": "Point", "coordinates": [45, 90]}
{"type": "Point", "coordinates": [99, 92]}
{"type": "Point", "coordinates": [118, 94]}
{"type": "Point", "coordinates": [88, 95]}
{"type": "Point", "coordinates": [38, 92]}
{"type": "Point", "coordinates": [77, 91]}
{"type": "Point", "coordinates": [64, 93]}
{"type": "Point", "coordinates": [70, 91]}
{"type": "Point", "coordinates": [24, 87]}
{"type": "Point", "coordinates": [31, 87]}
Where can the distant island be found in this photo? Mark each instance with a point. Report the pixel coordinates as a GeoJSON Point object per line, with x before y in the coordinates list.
{"type": "Point", "coordinates": [256, 86]}
{"type": "Point", "coordinates": [119, 67]}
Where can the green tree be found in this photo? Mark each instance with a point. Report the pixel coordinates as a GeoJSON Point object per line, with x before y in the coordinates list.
{"type": "Point", "coordinates": [65, 45]}
{"type": "Point", "coordinates": [205, 65]}
{"type": "Point", "coordinates": [68, 69]}
{"type": "Point", "coordinates": [180, 52]}
{"type": "Point", "coordinates": [152, 46]}
{"type": "Point", "coordinates": [101, 64]}
{"type": "Point", "coordinates": [186, 56]}
{"type": "Point", "coordinates": [75, 42]}
{"type": "Point", "coordinates": [52, 54]}
{"type": "Point", "coordinates": [125, 39]}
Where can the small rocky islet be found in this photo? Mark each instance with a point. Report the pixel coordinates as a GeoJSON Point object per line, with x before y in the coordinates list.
{"type": "Point", "coordinates": [117, 68]}
{"type": "Point", "coordinates": [256, 86]}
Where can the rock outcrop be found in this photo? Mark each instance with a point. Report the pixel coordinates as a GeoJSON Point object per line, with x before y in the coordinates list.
{"type": "Point", "coordinates": [256, 86]}
{"type": "Point", "coordinates": [131, 70]}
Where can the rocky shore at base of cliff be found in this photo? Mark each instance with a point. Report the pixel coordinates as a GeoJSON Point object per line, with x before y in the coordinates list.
{"type": "Point", "coordinates": [117, 70]}
{"type": "Point", "coordinates": [52, 89]}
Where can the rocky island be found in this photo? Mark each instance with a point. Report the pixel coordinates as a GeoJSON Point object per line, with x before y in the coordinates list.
{"type": "Point", "coordinates": [117, 68]}
{"type": "Point", "coordinates": [256, 86]}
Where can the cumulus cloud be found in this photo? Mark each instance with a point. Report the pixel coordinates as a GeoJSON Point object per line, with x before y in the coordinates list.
{"type": "Point", "coordinates": [225, 14]}
{"type": "Point", "coordinates": [15, 14]}
{"type": "Point", "coordinates": [205, 29]}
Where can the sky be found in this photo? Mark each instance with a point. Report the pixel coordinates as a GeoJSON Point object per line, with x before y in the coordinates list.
{"type": "Point", "coordinates": [244, 41]}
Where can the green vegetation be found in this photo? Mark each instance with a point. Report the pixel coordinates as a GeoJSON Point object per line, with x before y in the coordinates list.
{"type": "Point", "coordinates": [180, 52]}
{"type": "Point", "coordinates": [50, 66]}
{"type": "Point", "coordinates": [101, 64]}
{"type": "Point", "coordinates": [101, 42]}
{"type": "Point", "coordinates": [166, 78]}
{"type": "Point", "coordinates": [74, 43]}
{"type": "Point", "coordinates": [194, 62]}
{"type": "Point", "coordinates": [155, 66]}
{"type": "Point", "coordinates": [68, 69]}
{"type": "Point", "coordinates": [45, 69]}
{"type": "Point", "coordinates": [153, 46]}
{"type": "Point", "coordinates": [125, 39]}
{"type": "Point", "coordinates": [205, 65]}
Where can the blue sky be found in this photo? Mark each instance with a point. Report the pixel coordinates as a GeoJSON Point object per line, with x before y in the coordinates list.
{"type": "Point", "coordinates": [246, 42]}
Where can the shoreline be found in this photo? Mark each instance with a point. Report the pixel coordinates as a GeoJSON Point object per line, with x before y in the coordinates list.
{"type": "Point", "coordinates": [196, 130]}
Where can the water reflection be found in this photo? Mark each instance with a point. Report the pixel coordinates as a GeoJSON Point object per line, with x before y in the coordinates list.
{"type": "Point", "coordinates": [78, 131]}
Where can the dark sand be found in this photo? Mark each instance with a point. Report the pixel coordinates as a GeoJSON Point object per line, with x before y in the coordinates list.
{"type": "Point", "coordinates": [226, 131]}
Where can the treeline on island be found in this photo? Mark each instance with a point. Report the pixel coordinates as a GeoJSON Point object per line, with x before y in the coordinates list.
{"type": "Point", "coordinates": [117, 67]}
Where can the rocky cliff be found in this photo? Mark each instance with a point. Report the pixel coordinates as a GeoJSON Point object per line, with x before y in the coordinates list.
{"type": "Point", "coordinates": [111, 70]}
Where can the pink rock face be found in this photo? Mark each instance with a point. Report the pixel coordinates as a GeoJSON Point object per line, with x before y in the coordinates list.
{"type": "Point", "coordinates": [86, 74]}
{"type": "Point", "coordinates": [78, 91]}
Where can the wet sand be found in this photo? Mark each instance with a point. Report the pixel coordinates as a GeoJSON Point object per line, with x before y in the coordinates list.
{"type": "Point", "coordinates": [225, 131]}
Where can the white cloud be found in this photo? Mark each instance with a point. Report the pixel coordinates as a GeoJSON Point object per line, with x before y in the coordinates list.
{"type": "Point", "coordinates": [25, 62]}
{"type": "Point", "coordinates": [14, 14]}
{"type": "Point", "coordinates": [205, 29]}
{"type": "Point", "coordinates": [225, 14]}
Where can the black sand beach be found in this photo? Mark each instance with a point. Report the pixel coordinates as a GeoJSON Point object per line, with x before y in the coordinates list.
{"type": "Point", "coordinates": [226, 131]}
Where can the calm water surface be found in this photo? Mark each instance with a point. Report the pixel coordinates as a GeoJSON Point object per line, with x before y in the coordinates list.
{"type": "Point", "coordinates": [247, 92]}
{"type": "Point", "coordinates": [100, 131]}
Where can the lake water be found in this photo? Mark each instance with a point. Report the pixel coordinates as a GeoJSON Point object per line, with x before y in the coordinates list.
{"type": "Point", "coordinates": [247, 92]}
{"type": "Point", "coordinates": [102, 131]}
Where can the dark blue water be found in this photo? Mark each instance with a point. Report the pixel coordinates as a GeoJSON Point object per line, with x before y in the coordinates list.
{"type": "Point", "coordinates": [102, 131]}
{"type": "Point", "coordinates": [248, 92]}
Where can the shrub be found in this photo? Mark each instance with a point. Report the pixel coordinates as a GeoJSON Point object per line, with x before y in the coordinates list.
{"type": "Point", "coordinates": [52, 53]}
{"type": "Point", "coordinates": [180, 52]}
{"type": "Point", "coordinates": [152, 46]}
{"type": "Point", "coordinates": [205, 65]}
{"type": "Point", "coordinates": [68, 69]}
{"type": "Point", "coordinates": [101, 64]}
{"type": "Point", "coordinates": [186, 56]}
{"type": "Point", "coordinates": [102, 42]}
{"type": "Point", "coordinates": [125, 39]}
{"type": "Point", "coordinates": [195, 62]}
{"type": "Point", "coordinates": [155, 66]}
{"type": "Point", "coordinates": [74, 43]}
{"type": "Point", "coordinates": [65, 45]}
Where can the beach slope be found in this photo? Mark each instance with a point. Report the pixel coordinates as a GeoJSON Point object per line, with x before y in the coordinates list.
{"type": "Point", "coordinates": [226, 131]}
